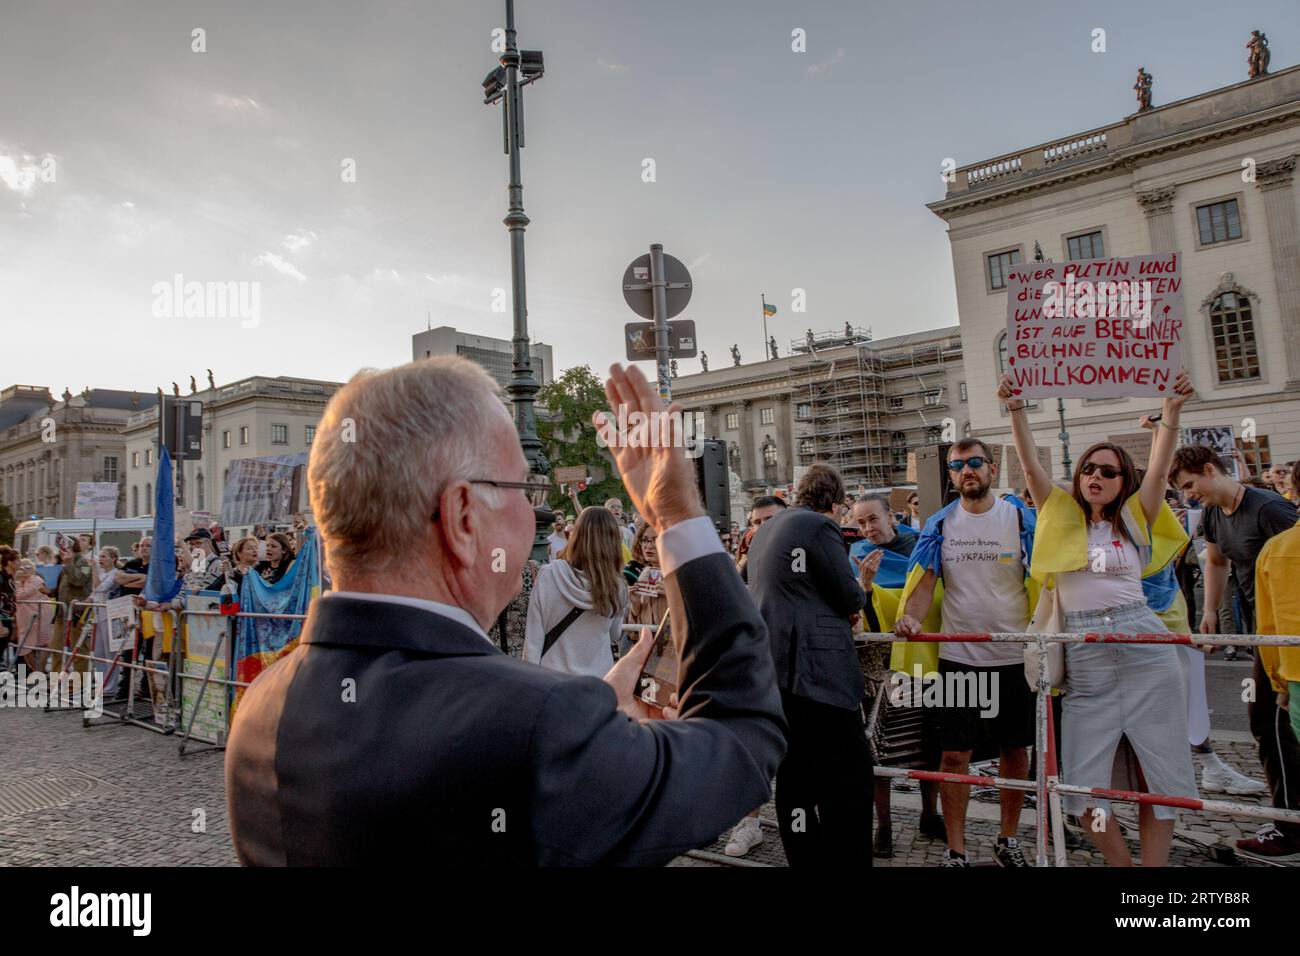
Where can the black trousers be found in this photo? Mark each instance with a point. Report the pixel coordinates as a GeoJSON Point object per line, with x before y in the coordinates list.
{"type": "Point", "coordinates": [824, 786]}
{"type": "Point", "coordinates": [1279, 751]}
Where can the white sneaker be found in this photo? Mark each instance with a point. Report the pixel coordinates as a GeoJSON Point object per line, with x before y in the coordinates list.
{"type": "Point", "coordinates": [1223, 779]}
{"type": "Point", "coordinates": [747, 835]}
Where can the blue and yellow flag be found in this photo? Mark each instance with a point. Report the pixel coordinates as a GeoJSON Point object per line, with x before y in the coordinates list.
{"type": "Point", "coordinates": [769, 309]}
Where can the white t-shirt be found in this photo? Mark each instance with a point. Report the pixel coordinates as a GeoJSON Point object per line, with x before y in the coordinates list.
{"type": "Point", "coordinates": [556, 541]}
{"type": "Point", "coordinates": [983, 583]}
{"type": "Point", "coordinates": [1113, 577]}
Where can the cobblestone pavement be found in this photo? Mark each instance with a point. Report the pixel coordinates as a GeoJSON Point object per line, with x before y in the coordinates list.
{"type": "Point", "coordinates": [121, 795]}
{"type": "Point", "coordinates": [115, 795]}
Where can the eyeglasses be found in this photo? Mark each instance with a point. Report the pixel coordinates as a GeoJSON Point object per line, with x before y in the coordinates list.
{"type": "Point", "coordinates": [536, 489]}
{"type": "Point", "coordinates": [976, 463]}
{"type": "Point", "coordinates": [1107, 471]}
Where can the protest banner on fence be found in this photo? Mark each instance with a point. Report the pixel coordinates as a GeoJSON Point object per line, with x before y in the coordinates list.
{"type": "Point", "coordinates": [262, 490]}
{"type": "Point", "coordinates": [1218, 437]}
{"type": "Point", "coordinates": [120, 612]}
{"type": "Point", "coordinates": [203, 635]}
{"type": "Point", "coordinates": [1095, 328]}
{"type": "Point", "coordinates": [95, 499]}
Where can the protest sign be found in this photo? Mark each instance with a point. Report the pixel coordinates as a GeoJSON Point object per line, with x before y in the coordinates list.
{"type": "Point", "coordinates": [1137, 444]}
{"type": "Point", "coordinates": [120, 612]}
{"type": "Point", "coordinates": [1095, 328]}
{"type": "Point", "coordinates": [206, 644]}
{"type": "Point", "coordinates": [262, 490]}
{"type": "Point", "coordinates": [95, 499]}
{"type": "Point", "coordinates": [911, 466]}
{"type": "Point", "coordinates": [1013, 476]}
{"type": "Point", "coordinates": [1218, 437]}
{"type": "Point", "coordinates": [898, 499]}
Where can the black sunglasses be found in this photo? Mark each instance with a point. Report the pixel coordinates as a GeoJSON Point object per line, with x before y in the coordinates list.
{"type": "Point", "coordinates": [1107, 471]}
{"type": "Point", "coordinates": [976, 463]}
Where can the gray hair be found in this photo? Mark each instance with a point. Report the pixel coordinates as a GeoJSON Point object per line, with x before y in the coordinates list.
{"type": "Point", "coordinates": [388, 444]}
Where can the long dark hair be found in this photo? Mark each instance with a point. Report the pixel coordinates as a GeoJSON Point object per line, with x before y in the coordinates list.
{"type": "Point", "coordinates": [1129, 484]}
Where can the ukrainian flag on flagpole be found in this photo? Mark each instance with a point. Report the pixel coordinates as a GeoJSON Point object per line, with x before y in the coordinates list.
{"type": "Point", "coordinates": [769, 309]}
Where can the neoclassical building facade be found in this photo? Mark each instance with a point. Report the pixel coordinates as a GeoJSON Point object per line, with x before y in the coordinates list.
{"type": "Point", "coordinates": [1210, 176]}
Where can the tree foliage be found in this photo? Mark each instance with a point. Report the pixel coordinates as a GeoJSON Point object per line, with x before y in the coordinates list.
{"type": "Point", "coordinates": [569, 437]}
{"type": "Point", "coordinates": [8, 524]}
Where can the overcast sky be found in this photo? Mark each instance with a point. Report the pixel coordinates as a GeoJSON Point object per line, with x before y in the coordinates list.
{"type": "Point", "coordinates": [774, 169]}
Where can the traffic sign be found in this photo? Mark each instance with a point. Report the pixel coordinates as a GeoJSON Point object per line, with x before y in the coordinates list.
{"type": "Point", "coordinates": [639, 337]}
{"type": "Point", "coordinates": [637, 290]}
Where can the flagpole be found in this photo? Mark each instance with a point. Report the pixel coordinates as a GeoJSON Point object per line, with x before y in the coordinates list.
{"type": "Point", "coordinates": [763, 297]}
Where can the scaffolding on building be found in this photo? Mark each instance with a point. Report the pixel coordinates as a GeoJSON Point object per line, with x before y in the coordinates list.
{"type": "Point", "coordinates": [839, 393]}
{"type": "Point", "coordinates": [863, 408]}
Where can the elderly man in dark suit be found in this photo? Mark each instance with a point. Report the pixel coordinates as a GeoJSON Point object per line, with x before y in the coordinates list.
{"type": "Point", "coordinates": [803, 582]}
{"type": "Point", "coordinates": [396, 730]}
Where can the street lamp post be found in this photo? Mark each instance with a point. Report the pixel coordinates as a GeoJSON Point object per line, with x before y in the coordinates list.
{"type": "Point", "coordinates": [505, 84]}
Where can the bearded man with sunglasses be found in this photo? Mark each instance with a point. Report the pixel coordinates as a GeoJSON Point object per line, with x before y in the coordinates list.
{"type": "Point", "coordinates": [980, 547]}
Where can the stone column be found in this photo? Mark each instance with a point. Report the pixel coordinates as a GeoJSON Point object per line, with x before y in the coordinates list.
{"type": "Point", "coordinates": [1158, 204]}
{"type": "Point", "coordinates": [1273, 179]}
{"type": "Point", "coordinates": [785, 451]}
{"type": "Point", "coordinates": [747, 472]}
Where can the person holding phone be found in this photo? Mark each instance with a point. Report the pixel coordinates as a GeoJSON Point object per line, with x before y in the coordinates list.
{"type": "Point", "coordinates": [648, 599]}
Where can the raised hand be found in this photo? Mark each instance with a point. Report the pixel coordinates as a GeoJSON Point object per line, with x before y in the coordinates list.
{"type": "Point", "coordinates": [651, 453]}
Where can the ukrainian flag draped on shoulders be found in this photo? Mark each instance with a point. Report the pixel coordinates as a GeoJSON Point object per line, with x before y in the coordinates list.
{"type": "Point", "coordinates": [928, 556]}
{"type": "Point", "coordinates": [1063, 546]}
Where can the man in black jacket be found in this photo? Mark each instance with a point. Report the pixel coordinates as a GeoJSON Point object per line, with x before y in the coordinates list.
{"type": "Point", "coordinates": [397, 731]}
{"type": "Point", "coordinates": [801, 578]}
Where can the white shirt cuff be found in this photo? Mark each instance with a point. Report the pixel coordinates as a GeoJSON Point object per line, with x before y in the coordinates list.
{"type": "Point", "coordinates": [686, 541]}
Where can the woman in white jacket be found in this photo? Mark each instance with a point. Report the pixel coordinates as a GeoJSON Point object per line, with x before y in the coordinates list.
{"type": "Point", "coordinates": [584, 591]}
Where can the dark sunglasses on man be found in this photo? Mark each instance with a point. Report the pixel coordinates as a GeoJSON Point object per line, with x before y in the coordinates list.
{"type": "Point", "coordinates": [976, 462]}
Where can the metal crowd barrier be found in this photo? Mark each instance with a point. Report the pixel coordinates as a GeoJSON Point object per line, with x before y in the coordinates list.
{"type": "Point", "coordinates": [229, 683]}
{"type": "Point", "coordinates": [1047, 786]}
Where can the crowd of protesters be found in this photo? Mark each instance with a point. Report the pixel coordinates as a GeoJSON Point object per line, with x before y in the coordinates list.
{"type": "Point", "coordinates": [1115, 549]}
{"type": "Point", "coordinates": [86, 576]}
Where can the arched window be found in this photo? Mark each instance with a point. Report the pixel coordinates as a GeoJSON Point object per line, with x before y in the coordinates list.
{"type": "Point", "coordinates": [1232, 329]}
{"type": "Point", "coordinates": [933, 435]}
{"type": "Point", "coordinates": [148, 498]}
{"type": "Point", "coordinates": [769, 455]}
{"type": "Point", "coordinates": [135, 501]}
{"type": "Point", "coordinates": [733, 456]}
{"type": "Point", "coordinates": [806, 446]}
{"type": "Point", "coordinates": [898, 439]}
{"type": "Point", "coordinates": [198, 489]}
{"type": "Point", "coordinates": [1002, 354]}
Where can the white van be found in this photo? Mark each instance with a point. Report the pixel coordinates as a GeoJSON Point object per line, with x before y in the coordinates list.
{"type": "Point", "coordinates": [121, 533]}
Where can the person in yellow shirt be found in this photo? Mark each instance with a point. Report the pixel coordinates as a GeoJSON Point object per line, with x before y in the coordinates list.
{"type": "Point", "coordinates": [1277, 675]}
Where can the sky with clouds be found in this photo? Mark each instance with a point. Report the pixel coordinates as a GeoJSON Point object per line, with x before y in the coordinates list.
{"type": "Point", "coordinates": [127, 159]}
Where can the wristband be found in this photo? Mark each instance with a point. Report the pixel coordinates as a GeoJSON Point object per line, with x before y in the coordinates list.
{"type": "Point", "coordinates": [1172, 428]}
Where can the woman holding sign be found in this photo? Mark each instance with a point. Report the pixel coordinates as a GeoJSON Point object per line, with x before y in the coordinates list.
{"type": "Point", "coordinates": [1124, 723]}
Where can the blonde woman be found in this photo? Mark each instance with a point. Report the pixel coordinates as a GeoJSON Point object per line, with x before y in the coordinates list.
{"type": "Point", "coordinates": [577, 606]}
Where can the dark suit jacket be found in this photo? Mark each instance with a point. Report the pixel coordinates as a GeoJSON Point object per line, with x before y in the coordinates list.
{"type": "Point", "coordinates": [806, 599]}
{"type": "Point", "coordinates": [457, 753]}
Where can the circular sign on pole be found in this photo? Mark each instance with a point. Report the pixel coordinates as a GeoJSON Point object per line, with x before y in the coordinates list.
{"type": "Point", "coordinates": [637, 292]}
